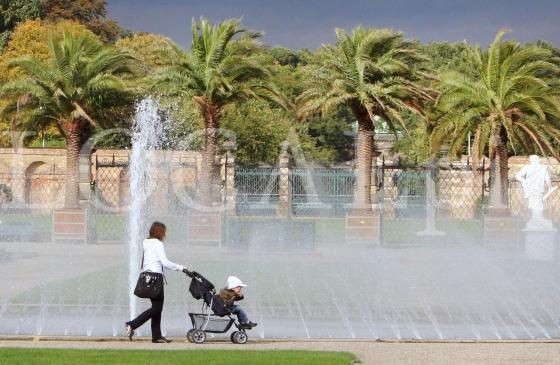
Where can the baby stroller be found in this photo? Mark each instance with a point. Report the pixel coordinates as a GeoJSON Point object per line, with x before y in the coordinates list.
{"type": "Point", "coordinates": [205, 322]}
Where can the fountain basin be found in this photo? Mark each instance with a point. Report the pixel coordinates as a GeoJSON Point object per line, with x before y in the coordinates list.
{"type": "Point", "coordinates": [539, 245]}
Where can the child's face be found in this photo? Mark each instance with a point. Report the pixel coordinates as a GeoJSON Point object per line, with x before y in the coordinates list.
{"type": "Point", "coordinates": [237, 290]}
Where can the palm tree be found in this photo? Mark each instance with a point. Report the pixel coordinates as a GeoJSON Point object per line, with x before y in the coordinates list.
{"type": "Point", "coordinates": [221, 68]}
{"type": "Point", "coordinates": [374, 72]}
{"type": "Point", "coordinates": [77, 89]}
{"type": "Point", "coordinates": [507, 100]}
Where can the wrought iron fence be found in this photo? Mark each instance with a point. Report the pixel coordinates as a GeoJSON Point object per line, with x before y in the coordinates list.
{"type": "Point", "coordinates": [27, 202]}
{"type": "Point", "coordinates": [256, 190]}
{"type": "Point", "coordinates": [110, 197]}
{"type": "Point", "coordinates": [402, 191]}
{"type": "Point", "coordinates": [322, 191]}
{"type": "Point", "coordinates": [329, 192]}
{"type": "Point", "coordinates": [180, 179]}
{"type": "Point", "coordinates": [403, 196]}
{"type": "Point", "coordinates": [176, 184]}
{"type": "Point", "coordinates": [459, 190]}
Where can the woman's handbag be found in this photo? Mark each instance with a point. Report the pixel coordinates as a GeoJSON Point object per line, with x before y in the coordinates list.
{"type": "Point", "coordinates": [149, 284]}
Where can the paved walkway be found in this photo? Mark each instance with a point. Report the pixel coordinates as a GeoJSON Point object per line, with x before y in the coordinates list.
{"type": "Point", "coordinates": [369, 352]}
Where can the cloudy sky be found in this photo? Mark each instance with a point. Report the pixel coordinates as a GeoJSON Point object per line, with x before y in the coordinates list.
{"type": "Point", "coordinates": [310, 23]}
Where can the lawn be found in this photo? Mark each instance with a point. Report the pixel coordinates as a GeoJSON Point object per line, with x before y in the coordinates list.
{"type": "Point", "coordinates": [404, 231]}
{"type": "Point", "coordinates": [15, 356]}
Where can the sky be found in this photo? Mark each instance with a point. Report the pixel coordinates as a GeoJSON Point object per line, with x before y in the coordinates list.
{"type": "Point", "coordinates": [311, 23]}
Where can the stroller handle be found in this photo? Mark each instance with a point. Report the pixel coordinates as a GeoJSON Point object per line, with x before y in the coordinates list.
{"type": "Point", "coordinates": [190, 274]}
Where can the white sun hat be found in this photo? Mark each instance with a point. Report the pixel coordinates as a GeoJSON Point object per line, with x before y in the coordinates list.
{"type": "Point", "coordinates": [234, 282]}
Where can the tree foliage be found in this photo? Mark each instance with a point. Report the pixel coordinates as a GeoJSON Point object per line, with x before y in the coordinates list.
{"type": "Point", "coordinates": [92, 13]}
{"type": "Point", "coordinates": [31, 38]}
{"type": "Point", "coordinates": [510, 91]}
{"type": "Point", "coordinates": [149, 49]}
{"type": "Point", "coordinates": [78, 88]}
{"type": "Point", "coordinates": [372, 73]}
{"type": "Point", "coordinates": [222, 68]}
{"type": "Point", "coordinates": [13, 12]}
{"type": "Point", "coordinates": [84, 11]}
{"type": "Point", "coordinates": [228, 79]}
{"type": "Point", "coordinates": [79, 82]}
{"type": "Point", "coordinates": [512, 96]}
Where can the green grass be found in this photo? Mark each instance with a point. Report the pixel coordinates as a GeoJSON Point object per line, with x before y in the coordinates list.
{"type": "Point", "coordinates": [15, 356]}
{"type": "Point", "coordinates": [113, 227]}
{"type": "Point", "coordinates": [110, 287]}
{"type": "Point", "coordinates": [457, 231]}
{"type": "Point", "coordinates": [41, 222]}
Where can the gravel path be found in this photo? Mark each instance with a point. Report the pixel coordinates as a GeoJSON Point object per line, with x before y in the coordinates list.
{"type": "Point", "coordinates": [369, 352]}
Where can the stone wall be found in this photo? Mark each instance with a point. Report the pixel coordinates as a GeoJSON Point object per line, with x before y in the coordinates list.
{"type": "Point", "coordinates": [36, 177]}
{"type": "Point", "coordinates": [176, 177]}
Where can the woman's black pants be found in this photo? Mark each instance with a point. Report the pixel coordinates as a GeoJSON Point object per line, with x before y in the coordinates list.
{"type": "Point", "coordinates": [154, 313]}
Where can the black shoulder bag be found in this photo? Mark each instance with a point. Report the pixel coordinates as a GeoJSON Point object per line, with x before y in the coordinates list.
{"type": "Point", "coordinates": [149, 284]}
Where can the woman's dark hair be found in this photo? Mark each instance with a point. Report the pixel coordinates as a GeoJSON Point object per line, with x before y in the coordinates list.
{"type": "Point", "coordinates": [157, 230]}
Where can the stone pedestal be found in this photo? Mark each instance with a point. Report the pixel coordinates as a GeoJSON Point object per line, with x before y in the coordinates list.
{"type": "Point", "coordinates": [204, 229]}
{"type": "Point", "coordinates": [431, 202]}
{"type": "Point", "coordinates": [70, 225]}
{"type": "Point", "coordinates": [501, 231]}
{"type": "Point", "coordinates": [284, 182]}
{"type": "Point", "coordinates": [84, 180]}
{"type": "Point", "coordinates": [228, 178]}
{"type": "Point", "coordinates": [363, 229]}
{"type": "Point", "coordinates": [539, 245]}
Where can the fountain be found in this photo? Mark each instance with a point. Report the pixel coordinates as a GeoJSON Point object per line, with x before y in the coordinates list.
{"type": "Point", "coordinates": [431, 203]}
{"type": "Point", "coordinates": [539, 233]}
{"type": "Point", "coordinates": [147, 136]}
{"type": "Point", "coordinates": [461, 290]}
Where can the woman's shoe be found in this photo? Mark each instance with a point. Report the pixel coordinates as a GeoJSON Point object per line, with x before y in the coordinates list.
{"type": "Point", "coordinates": [129, 331]}
{"type": "Point", "coordinates": [161, 340]}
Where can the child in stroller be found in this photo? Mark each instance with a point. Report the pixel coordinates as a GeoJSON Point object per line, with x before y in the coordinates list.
{"type": "Point", "coordinates": [205, 322]}
{"type": "Point", "coordinates": [232, 293]}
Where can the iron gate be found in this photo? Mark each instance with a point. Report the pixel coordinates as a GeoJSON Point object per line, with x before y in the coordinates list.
{"type": "Point", "coordinates": [460, 195]}
{"type": "Point", "coordinates": [322, 191]}
{"type": "Point", "coordinates": [110, 198]}
{"type": "Point", "coordinates": [257, 191]}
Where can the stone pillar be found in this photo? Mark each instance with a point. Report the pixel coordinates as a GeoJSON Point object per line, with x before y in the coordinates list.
{"type": "Point", "coordinates": [284, 188]}
{"type": "Point", "coordinates": [384, 143]}
{"type": "Point", "coordinates": [431, 202]}
{"type": "Point", "coordinates": [228, 178]}
{"type": "Point", "coordinates": [18, 169]}
{"type": "Point", "coordinates": [85, 178]}
{"type": "Point", "coordinates": [375, 194]}
{"type": "Point", "coordinates": [216, 182]}
{"type": "Point", "coordinates": [443, 153]}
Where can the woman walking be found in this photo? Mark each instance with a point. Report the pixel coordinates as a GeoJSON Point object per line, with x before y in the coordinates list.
{"type": "Point", "coordinates": [154, 261]}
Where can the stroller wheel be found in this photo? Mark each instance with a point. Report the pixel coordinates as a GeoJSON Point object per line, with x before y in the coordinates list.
{"type": "Point", "coordinates": [239, 337]}
{"type": "Point", "coordinates": [189, 335]}
{"type": "Point", "coordinates": [198, 336]}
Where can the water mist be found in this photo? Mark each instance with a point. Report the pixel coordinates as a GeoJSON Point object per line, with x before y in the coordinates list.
{"type": "Point", "coordinates": [147, 136]}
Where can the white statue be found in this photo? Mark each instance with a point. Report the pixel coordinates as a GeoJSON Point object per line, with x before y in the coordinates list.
{"type": "Point", "coordinates": [537, 186]}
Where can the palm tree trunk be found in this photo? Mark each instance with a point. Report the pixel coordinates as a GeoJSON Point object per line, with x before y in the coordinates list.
{"type": "Point", "coordinates": [498, 178]}
{"type": "Point", "coordinates": [362, 203]}
{"type": "Point", "coordinates": [503, 167]}
{"type": "Point", "coordinates": [207, 166]}
{"type": "Point", "coordinates": [211, 116]}
{"type": "Point", "coordinates": [71, 199]}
